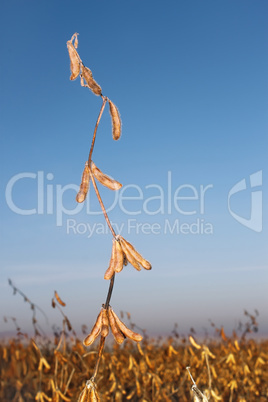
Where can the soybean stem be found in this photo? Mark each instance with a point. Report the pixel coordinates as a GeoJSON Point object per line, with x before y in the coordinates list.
{"type": "Point", "coordinates": [102, 341]}
{"type": "Point", "coordinates": [104, 99]}
{"type": "Point", "coordinates": [110, 291]}
{"type": "Point", "coordinates": [101, 203]}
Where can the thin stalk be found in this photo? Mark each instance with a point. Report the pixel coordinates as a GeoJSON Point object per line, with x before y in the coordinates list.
{"type": "Point", "coordinates": [102, 341]}
{"type": "Point", "coordinates": [104, 99]}
{"type": "Point", "coordinates": [109, 295]}
{"type": "Point", "coordinates": [110, 291]}
{"type": "Point", "coordinates": [209, 374]}
{"type": "Point", "coordinates": [101, 346]}
{"type": "Point", "coordinates": [101, 204]}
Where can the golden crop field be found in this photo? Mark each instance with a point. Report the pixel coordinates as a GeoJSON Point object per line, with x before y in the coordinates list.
{"type": "Point", "coordinates": [227, 369]}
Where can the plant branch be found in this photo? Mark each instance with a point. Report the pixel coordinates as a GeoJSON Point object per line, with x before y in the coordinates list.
{"type": "Point", "coordinates": [110, 291]}
{"type": "Point", "coordinates": [104, 99]}
{"type": "Point", "coordinates": [102, 341]}
{"type": "Point", "coordinates": [101, 204]}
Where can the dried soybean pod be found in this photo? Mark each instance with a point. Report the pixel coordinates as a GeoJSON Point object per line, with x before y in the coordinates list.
{"type": "Point", "coordinates": [126, 331]}
{"type": "Point", "coordinates": [119, 257]}
{"type": "Point", "coordinates": [89, 393]}
{"type": "Point", "coordinates": [116, 121]}
{"type": "Point", "coordinates": [104, 179]}
{"type": "Point", "coordinates": [35, 346]}
{"type": "Point", "coordinates": [90, 82]}
{"type": "Point", "coordinates": [130, 257]}
{"type": "Point", "coordinates": [110, 270]}
{"type": "Point", "coordinates": [95, 330]}
{"type": "Point", "coordinates": [59, 299]}
{"type": "Point", "coordinates": [83, 397]}
{"type": "Point", "coordinates": [194, 343]}
{"type": "Point", "coordinates": [105, 323]}
{"type": "Point", "coordinates": [82, 82]}
{"type": "Point", "coordinates": [125, 260]}
{"type": "Point", "coordinates": [84, 186]}
{"type": "Point", "coordinates": [117, 333]}
{"type": "Point", "coordinates": [94, 397]}
{"type": "Point", "coordinates": [75, 60]}
{"type": "Point", "coordinates": [144, 263]}
{"type": "Point", "coordinates": [76, 40]}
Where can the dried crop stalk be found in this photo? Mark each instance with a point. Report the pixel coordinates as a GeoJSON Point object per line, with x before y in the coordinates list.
{"type": "Point", "coordinates": [122, 251]}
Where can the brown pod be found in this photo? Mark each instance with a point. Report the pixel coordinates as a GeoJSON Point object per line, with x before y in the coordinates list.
{"type": "Point", "coordinates": [110, 270]}
{"type": "Point", "coordinates": [83, 397]}
{"type": "Point", "coordinates": [105, 324]}
{"type": "Point", "coordinates": [117, 333]}
{"type": "Point", "coordinates": [193, 342]}
{"type": "Point", "coordinates": [76, 40]}
{"type": "Point", "coordinates": [84, 186]}
{"type": "Point", "coordinates": [95, 330]}
{"type": "Point", "coordinates": [144, 263]}
{"type": "Point", "coordinates": [90, 82]}
{"type": "Point", "coordinates": [104, 179]}
{"type": "Point", "coordinates": [82, 81]}
{"type": "Point", "coordinates": [119, 257]}
{"type": "Point", "coordinates": [126, 331]}
{"type": "Point", "coordinates": [116, 121]}
{"type": "Point", "coordinates": [80, 197]}
{"type": "Point", "coordinates": [125, 260]}
{"type": "Point", "coordinates": [129, 256]}
{"type": "Point", "coordinates": [94, 397]}
{"type": "Point", "coordinates": [35, 346]}
{"type": "Point", "coordinates": [89, 395]}
{"type": "Point", "coordinates": [59, 299]}
{"type": "Point", "coordinates": [68, 324]}
{"type": "Point", "coordinates": [74, 58]}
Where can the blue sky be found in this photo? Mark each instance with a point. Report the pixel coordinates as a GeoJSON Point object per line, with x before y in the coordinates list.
{"type": "Point", "coordinates": [190, 81]}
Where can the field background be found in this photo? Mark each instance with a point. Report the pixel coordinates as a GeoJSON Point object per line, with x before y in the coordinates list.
{"type": "Point", "coordinates": [226, 369]}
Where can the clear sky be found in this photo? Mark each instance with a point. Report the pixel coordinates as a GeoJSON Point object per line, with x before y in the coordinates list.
{"type": "Point", "coordinates": [190, 81]}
